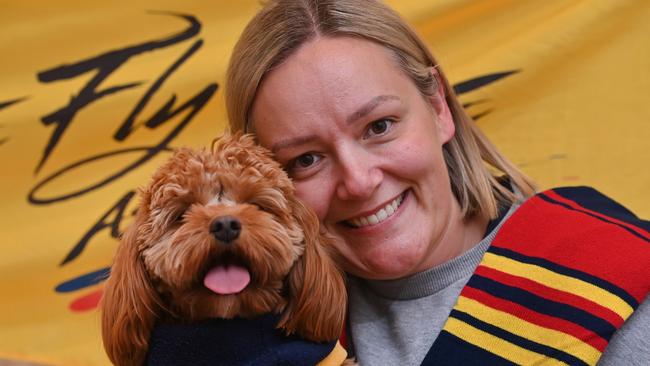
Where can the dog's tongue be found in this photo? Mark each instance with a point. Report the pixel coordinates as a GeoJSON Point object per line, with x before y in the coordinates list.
{"type": "Point", "coordinates": [226, 280]}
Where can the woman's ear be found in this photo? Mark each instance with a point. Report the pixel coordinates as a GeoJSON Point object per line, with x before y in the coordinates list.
{"type": "Point", "coordinates": [129, 305]}
{"type": "Point", "coordinates": [438, 100]}
{"type": "Point", "coordinates": [317, 294]}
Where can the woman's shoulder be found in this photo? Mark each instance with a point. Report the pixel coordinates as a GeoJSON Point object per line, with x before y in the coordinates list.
{"type": "Point", "coordinates": [579, 228]}
{"type": "Point", "coordinates": [585, 246]}
{"type": "Point", "coordinates": [580, 211]}
{"type": "Point", "coordinates": [630, 344]}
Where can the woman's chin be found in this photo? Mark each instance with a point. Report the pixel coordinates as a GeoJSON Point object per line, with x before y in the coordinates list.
{"type": "Point", "coordinates": [383, 268]}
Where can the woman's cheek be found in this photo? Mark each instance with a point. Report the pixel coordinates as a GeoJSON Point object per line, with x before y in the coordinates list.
{"type": "Point", "coordinates": [313, 195]}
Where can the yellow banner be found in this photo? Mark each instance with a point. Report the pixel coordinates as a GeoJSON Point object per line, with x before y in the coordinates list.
{"type": "Point", "coordinates": [94, 95]}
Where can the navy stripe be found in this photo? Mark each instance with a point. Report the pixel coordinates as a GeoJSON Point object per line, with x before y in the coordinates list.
{"type": "Point", "coordinates": [86, 280]}
{"type": "Point", "coordinates": [552, 201]}
{"type": "Point", "coordinates": [544, 306]}
{"type": "Point", "coordinates": [593, 200]}
{"type": "Point", "coordinates": [451, 350]}
{"type": "Point", "coordinates": [518, 340]}
{"type": "Point", "coordinates": [557, 268]}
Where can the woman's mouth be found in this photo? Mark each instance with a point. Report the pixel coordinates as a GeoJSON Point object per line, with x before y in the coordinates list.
{"type": "Point", "coordinates": [379, 215]}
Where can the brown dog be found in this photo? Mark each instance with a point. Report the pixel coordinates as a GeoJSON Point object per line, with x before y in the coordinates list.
{"type": "Point", "coordinates": [220, 235]}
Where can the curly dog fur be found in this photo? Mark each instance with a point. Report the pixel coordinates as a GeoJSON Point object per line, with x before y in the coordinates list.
{"type": "Point", "coordinates": [160, 266]}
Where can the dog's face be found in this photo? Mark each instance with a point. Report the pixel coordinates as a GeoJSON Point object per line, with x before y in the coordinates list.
{"type": "Point", "coordinates": [220, 234]}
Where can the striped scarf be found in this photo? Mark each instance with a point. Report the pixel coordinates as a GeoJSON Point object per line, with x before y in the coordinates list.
{"type": "Point", "coordinates": [561, 276]}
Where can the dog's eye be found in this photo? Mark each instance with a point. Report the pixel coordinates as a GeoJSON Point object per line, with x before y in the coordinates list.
{"type": "Point", "coordinates": [177, 217]}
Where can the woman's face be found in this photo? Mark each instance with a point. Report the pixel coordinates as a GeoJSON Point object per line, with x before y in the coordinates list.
{"type": "Point", "coordinates": [364, 148]}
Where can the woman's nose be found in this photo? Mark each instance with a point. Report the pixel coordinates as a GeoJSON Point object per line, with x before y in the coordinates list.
{"type": "Point", "coordinates": [359, 176]}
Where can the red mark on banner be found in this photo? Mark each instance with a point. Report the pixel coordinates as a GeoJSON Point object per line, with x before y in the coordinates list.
{"type": "Point", "coordinates": [87, 302]}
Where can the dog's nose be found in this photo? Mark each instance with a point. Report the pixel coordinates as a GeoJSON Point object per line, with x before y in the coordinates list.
{"type": "Point", "coordinates": [225, 228]}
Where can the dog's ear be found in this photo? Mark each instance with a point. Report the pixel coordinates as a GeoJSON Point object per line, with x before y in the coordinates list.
{"type": "Point", "coordinates": [317, 295]}
{"type": "Point", "coordinates": [129, 305]}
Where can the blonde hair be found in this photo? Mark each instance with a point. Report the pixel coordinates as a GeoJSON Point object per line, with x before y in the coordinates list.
{"type": "Point", "coordinates": [282, 26]}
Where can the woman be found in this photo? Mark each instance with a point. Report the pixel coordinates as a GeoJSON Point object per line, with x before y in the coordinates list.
{"type": "Point", "coordinates": [359, 113]}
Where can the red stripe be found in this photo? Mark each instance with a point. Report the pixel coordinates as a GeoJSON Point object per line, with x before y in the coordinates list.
{"type": "Point", "coordinates": [534, 317]}
{"type": "Point", "coordinates": [552, 294]}
{"type": "Point", "coordinates": [87, 302]}
{"type": "Point", "coordinates": [552, 194]}
{"type": "Point", "coordinates": [576, 240]}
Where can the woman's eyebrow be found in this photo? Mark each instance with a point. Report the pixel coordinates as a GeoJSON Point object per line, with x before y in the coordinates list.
{"type": "Point", "coordinates": [369, 106]}
{"type": "Point", "coordinates": [291, 142]}
{"type": "Point", "coordinates": [359, 113]}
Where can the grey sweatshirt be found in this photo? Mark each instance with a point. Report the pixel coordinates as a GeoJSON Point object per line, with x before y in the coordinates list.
{"type": "Point", "coordinates": [395, 322]}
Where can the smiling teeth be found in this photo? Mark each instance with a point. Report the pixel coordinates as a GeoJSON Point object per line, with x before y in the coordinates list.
{"type": "Point", "coordinates": [380, 216]}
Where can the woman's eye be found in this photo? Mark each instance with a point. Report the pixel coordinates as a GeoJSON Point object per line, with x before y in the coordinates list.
{"type": "Point", "coordinates": [378, 127]}
{"type": "Point", "coordinates": [305, 160]}
{"type": "Point", "coordinates": [302, 164]}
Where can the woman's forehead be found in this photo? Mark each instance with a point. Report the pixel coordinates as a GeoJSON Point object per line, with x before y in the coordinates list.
{"type": "Point", "coordinates": [341, 77]}
{"type": "Point", "coordinates": [336, 58]}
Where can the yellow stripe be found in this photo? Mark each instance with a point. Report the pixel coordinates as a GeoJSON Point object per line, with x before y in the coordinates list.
{"type": "Point", "coordinates": [533, 332]}
{"type": "Point", "coordinates": [559, 282]}
{"type": "Point", "coordinates": [335, 358]}
{"type": "Point", "coordinates": [496, 345]}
